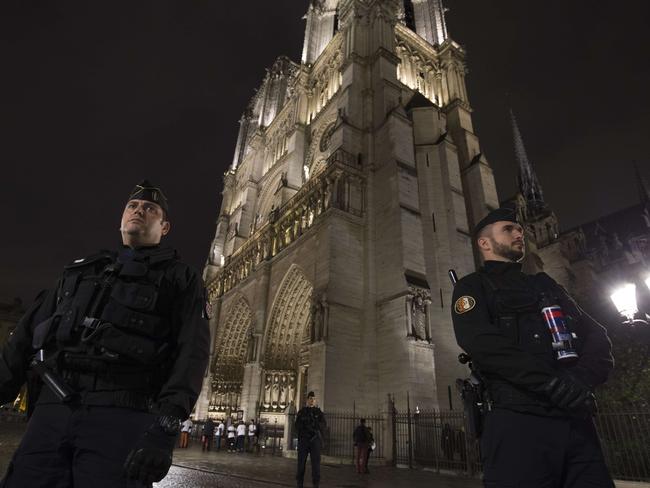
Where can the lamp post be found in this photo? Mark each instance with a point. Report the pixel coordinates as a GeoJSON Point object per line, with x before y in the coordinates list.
{"type": "Point", "coordinates": [624, 299]}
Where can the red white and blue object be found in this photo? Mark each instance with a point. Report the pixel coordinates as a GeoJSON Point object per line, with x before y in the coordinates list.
{"type": "Point", "coordinates": [562, 338]}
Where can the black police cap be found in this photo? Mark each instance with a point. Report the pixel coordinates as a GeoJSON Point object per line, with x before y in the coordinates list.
{"type": "Point", "coordinates": [503, 214]}
{"type": "Point", "coordinates": [149, 192]}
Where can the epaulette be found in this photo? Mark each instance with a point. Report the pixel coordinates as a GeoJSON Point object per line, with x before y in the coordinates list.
{"type": "Point", "coordinates": [93, 258]}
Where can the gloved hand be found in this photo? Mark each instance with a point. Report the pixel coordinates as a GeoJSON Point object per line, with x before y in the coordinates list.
{"type": "Point", "coordinates": [151, 457]}
{"type": "Point", "coordinates": [569, 393]}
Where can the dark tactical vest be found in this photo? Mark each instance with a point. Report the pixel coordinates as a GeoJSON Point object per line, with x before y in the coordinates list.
{"type": "Point", "coordinates": [112, 321]}
{"type": "Point", "coordinates": [514, 304]}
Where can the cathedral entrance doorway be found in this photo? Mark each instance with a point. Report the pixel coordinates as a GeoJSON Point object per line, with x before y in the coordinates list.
{"type": "Point", "coordinates": [286, 349]}
{"type": "Point", "coordinates": [228, 367]}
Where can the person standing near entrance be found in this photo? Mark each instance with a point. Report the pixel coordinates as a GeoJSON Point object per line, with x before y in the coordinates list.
{"type": "Point", "coordinates": [186, 429]}
{"type": "Point", "coordinates": [208, 434]}
{"type": "Point", "coordinates": [310, 426]}
{"type": "Point", "coordinates": [252, 435]}
{"type": "Point", "coordinates": [219, 434]}
{"type": "Point", "coordinates": [241, 436]}
{"type": "Point", "coordinates": [231, 436]}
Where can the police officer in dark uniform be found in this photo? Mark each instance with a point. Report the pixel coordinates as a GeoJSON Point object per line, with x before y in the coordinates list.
{"type": "Point", "coordinates": [539, 430]}
{"type": "Point", "coordinates": [310, 426]}
{"type": "Point", "coordinates": [121, 344]}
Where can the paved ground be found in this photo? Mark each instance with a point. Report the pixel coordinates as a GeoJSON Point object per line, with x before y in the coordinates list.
{"type": "Point", "coordinates": [251, 470]}
{"type": "Point", "coordinates": [195, 469]}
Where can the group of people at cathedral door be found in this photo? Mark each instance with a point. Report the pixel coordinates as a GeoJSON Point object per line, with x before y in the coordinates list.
{"type": "Point", "coordinates": [239, 436]}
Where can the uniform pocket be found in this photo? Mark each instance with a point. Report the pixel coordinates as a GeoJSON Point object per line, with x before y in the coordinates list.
{"type": "Point", "coordinates": [135, 295]}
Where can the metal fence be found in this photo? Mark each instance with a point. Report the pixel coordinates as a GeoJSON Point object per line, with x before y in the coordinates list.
{"type": "Point", "coordinates": [338, 441]}
{"type": "Point", "coordinates": [625, 437]}
{"type": "Point", "coordinates": [437, 440]}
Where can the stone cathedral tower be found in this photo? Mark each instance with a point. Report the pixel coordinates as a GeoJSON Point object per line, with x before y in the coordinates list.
{"type": "Point", "coordinates": [355, 182]}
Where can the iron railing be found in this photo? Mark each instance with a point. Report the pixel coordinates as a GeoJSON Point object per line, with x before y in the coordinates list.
{"type": "Point", "coordinates": [625, 438]}
{"type": "Point", "coordinates": [436, 440]}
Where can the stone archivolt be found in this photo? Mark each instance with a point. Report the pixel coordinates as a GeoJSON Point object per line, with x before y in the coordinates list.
{"type": "Point", "coordinates": [289, 333]}
{"type": "Point", "coordinates": [289, 325]}
{"type": "Point", "coordinates": [230, 352]}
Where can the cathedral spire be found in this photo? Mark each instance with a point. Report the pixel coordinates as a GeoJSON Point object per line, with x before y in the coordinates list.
{"type": "Point", "coordinates": [528, 184]}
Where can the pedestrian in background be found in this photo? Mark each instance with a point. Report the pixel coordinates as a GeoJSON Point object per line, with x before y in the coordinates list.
{"type": "Point", "coordinates": [231, 437]}
{"type": "Point", "coordinates": [208, 434]}
{"type": "Point", "coordinates": [361, 438]}
{"type": "Point", "coordinates": [186, 430]}
{"type": "Point", "coordinates": [218, 434]}
{"type": "Point", "coordinates": [241, 436]}
{"type": "Point", "coordinates": [252, 435]}
{"type": "Point", "coordinates": [372, 445]}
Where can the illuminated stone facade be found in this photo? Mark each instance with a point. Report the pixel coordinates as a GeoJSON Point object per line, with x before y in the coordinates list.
{"type": "Point", "coordinates": [355, 181]}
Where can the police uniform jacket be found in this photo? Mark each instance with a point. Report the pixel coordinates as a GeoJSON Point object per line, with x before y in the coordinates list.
{"type": "Point", "coordinates": [123, 328]}
{"type": "Point", "coordinates": [310, 423]}
{"type": "Point", "coordinates": [498, 321]}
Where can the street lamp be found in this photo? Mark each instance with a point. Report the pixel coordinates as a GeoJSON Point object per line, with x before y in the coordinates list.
{"type": "Point", "coordinates": [624, 299]}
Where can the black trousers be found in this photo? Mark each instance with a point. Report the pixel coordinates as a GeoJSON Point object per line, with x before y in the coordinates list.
{"type": "Point", "coordinates": [529, 451]}
{"type": "Point", "coordinates": [78, 446]}
{"type": "Point", "coordinates": [308, 447]}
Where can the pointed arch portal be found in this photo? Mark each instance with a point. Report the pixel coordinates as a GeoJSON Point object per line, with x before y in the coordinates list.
{"type": "Point", "coordinates": [230, 354]}
{"type": "Point", "coordinates": [286, 354]}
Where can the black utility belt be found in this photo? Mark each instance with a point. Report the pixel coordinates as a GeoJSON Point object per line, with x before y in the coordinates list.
{"type": "Point", "coordinates": [134, 400]}
{"type": "Point", "coordinates": [136, 380]}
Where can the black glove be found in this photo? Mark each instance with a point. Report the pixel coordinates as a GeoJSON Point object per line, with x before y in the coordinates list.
{"type": "Point", "coordinates": [151, 457]}
{"type": "Point", "coordinates": [569, 393]}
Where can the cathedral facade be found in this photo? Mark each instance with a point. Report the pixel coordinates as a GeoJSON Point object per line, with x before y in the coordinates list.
{"type": "Point", "coordinates": [355, 182]}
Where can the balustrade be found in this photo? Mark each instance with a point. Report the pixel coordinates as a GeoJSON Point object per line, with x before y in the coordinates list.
{"type": "Point", "coordinates": [340, 185]}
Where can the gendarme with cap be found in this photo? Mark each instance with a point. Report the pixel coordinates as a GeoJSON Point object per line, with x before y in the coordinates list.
{"type": "Point", "coordinates": [145, 190]}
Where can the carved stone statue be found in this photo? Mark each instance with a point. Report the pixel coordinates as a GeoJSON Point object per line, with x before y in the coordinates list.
{"type": "Point", "coordinates": [419, 300]}
{"type": "Point", "coordinates": [267, 391]}
{"type": "Point", "coordinates": [283, 392]}
{"type": "Point", "coordinates": [319, 317]}
{"type": "Point", "coordinates": [275, 390]}
{"type": "Point", "coordinates": [291, 393]}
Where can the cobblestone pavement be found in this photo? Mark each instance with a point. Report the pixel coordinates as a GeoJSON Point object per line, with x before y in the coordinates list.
{"type": "Point", "coordinates": [195, 469]}
{"type": "Point", "coordinates": [252, 470]}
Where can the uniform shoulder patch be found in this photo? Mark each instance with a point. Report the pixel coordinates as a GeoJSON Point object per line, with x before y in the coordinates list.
{"type": "Point", "coordinates": [464, 304]}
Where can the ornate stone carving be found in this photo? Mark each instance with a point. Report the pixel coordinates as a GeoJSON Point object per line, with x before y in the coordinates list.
{"type": "Point", "coordinates": [231, 346]}
{"type": "Point", "coordinates": [339, 185]}
{"type": "Point", "coordinates": [418, 301]}
{"type": "Point", "coordinates": [279, 390]}
{"type": "Point", "coordinates": [289, 321]}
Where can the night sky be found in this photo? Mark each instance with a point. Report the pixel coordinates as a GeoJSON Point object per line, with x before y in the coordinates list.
{"type": "Point", "coordinates": [99, 95]}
